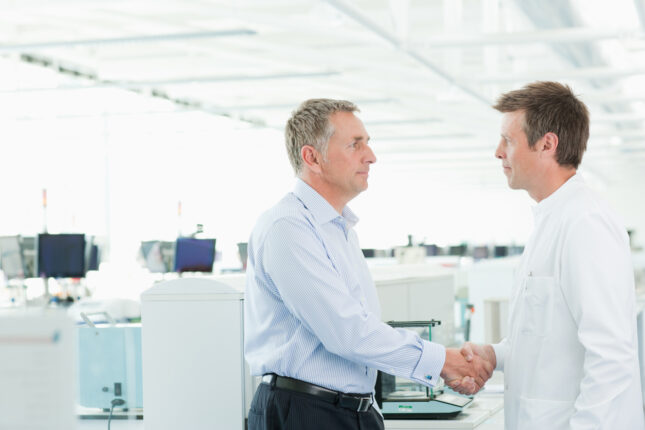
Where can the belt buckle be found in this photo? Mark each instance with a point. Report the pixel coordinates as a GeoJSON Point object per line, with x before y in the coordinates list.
{"type": "Point", "coordinates": [364, 404]}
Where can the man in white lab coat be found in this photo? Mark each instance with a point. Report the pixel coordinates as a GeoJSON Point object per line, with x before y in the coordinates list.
{"type": "Point", "coordinates": [570, 359]}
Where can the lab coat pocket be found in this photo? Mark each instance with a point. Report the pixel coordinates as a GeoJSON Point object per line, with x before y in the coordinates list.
{"type": "Point", "coordinates": [540, 414]}
{"type": "Point", "coordinates": [538, 305]}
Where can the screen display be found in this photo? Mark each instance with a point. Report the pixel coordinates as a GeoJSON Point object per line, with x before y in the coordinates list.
{"type": "Point", "coordinates": [11, 260]}
{"type": "Point", "coordinates": [155, 255]}
{"type": "Point", "coordinates": [61, 255]}
{"type": "Point", "coordinates": [93, 258]}
{"type": "Point", "coordinates": [194, 255]}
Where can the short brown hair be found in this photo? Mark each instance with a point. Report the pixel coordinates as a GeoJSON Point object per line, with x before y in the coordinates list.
{"type": "Point", "coordinates": [551, 107]}
{"type": "Point", "coordinates": [310, 125]}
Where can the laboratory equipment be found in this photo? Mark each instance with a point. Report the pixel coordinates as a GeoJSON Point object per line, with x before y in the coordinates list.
{"type": "Point", "coordinates": [412, 292]}
{"type": "Point", "coordinates": [37, 371]}
{"type": "Point", "coordinates": [109, 367]}
{"type": "Point", "coordinates": [400, 398]}
{"type": "Point", "coordinates": [194, 375]}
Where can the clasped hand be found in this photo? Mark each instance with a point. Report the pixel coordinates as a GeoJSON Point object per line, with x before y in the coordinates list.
{"type": "Point", "coordinates": [467, 370]}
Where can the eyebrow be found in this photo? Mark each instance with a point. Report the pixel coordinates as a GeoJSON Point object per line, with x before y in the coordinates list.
{"type": "Point", "coordinates": [361, 138]}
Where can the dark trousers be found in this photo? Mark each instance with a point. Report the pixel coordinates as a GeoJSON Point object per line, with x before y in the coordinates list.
{"type": "Point", "coordinates": [278, 409]}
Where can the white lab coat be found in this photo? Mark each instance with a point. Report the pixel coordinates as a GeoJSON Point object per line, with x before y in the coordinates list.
{"type": "Point", "coordinates": [570, 360]}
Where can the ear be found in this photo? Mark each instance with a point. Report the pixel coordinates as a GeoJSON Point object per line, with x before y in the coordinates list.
{"type": "Point", "coordinates": [549, 144]}
{"type": "Point", "coordinates": [311, 158]}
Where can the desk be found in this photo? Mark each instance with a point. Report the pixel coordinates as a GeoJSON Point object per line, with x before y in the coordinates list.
{"type": "Point", "coordinates": [485, 419]}
{"type": "Point", "coordinates": [485, 413]}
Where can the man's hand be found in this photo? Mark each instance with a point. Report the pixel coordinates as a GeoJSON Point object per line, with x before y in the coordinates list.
{"type": "Point", "coordinates": [465, 376]}
{"type": "Point", "coordinates": [469, 350]}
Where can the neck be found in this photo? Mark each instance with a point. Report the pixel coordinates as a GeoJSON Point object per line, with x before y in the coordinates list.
{"type": "Point", "coordinates": [550, 181]}
{"type": "Point", "coordinates": [323, 188]}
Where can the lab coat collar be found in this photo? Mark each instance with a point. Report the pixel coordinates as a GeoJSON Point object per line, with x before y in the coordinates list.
{"type": "Point", "coordinates": [559, 196]}
{"type": "Point", "coordinates": [320, 208]}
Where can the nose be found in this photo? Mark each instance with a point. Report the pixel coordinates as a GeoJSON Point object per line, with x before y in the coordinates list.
{"type": "Point", "coordinates": [499, 153]}
{"type": "Point", "coordinates": [369, 155]}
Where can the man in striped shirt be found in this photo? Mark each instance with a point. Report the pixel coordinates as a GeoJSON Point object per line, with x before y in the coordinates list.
{"type": "Point", "coordinates": [312, 316]}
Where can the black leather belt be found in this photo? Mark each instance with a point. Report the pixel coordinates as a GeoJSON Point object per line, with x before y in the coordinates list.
{"type": "Point", "coordinates": [354, 402]}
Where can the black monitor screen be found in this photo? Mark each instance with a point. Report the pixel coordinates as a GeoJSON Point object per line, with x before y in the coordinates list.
{"type": "Point", "coordinates": [93, 258]}
{"type": "Point", "coordinates": [11, 257]}
{"type": "Point", "coordinates": [194, 255]}
{"type": "Point", "coordinates": [61, 255]}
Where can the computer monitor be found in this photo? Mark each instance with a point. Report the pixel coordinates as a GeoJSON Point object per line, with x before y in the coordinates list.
{"type": "Point", "coordinates": [167, 254]}
{"type": "Point", "coordinates": [61, 255]}
{"type": "Point", "coordinates": [481, 252]}
{"type": "Point", "coordinates": [11, 259]}
{"type": "Point", "coordinates": [92, 255]}
{"type": "Point", "coordinates": [28, 245]}
{"type": "Point", "coordinates": [501, 251]}
{"type": "Point", "coordinates": [431, 250]}
{"type": "Point", "coordinates": [242, 249]}
{"type": "Point", "coordinates": [459, 250]}
{"type": "Point", "coordinates": [515, 250]}
{"type": "Point", "coordinates": [368, 252]}
{"type": "Point", "coordinates": [93, 258]}
{"type": "Point", "coordinates": [154, 260]}
{"type": "Point", "coordinates": [194, 255]}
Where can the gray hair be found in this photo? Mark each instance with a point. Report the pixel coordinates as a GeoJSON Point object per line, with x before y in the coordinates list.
{"type": "Point", "coordinates": [310, 125]}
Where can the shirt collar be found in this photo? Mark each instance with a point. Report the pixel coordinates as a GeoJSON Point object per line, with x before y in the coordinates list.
{"type": "Point", "coordinates": [558, 196]}
{"type": "Point", "coordinates": [320, 208]}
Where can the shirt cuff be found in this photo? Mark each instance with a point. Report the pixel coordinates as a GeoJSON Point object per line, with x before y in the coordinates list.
{"type": "Point", "coordinates": [500, 353]}
{"type": "Point", "coordinates": [428, 368]}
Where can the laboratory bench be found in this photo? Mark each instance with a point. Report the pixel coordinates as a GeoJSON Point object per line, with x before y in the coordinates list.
{"type": "Point", "coordinates": [485, 413]}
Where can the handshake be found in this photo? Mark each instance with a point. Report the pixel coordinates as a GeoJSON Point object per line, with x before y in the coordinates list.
{"type": "Point", "coordinates": [467, 370]}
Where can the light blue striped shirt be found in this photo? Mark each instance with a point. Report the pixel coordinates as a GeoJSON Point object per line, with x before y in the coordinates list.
{"type": "Point", "coordinates": [311, 311]}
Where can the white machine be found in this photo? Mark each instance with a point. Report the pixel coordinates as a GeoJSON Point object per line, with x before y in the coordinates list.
{"type": "Point", "coordinates": [192, 346]}
{"type": "Point", "coordinates": [37, 370]}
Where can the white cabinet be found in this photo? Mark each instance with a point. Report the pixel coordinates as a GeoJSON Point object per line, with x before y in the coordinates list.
{"type": "Point", "coordinates": [192, 346]}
